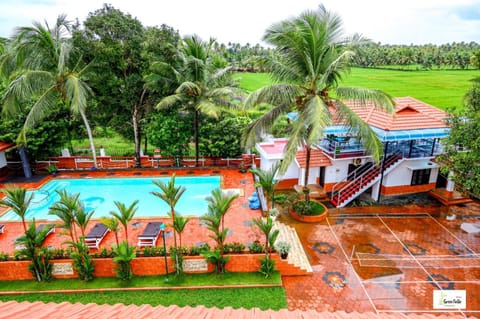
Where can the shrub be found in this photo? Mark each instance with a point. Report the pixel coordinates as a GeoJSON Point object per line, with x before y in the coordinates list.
{"type": "Point", "coordinates": [217, 259]}
{"type": "Point", "coordinates": [3, 256]}
{"type": "Point", "coordinates": [267, 267]}
{"type": "Point", "coordinates": [124, 254]}
{"type": "Point", "coordinates": [235, 248]}
{"type": "Point", "coordinates": [256, 248]}
{"type": "Point", "coordinates": [308, 208]}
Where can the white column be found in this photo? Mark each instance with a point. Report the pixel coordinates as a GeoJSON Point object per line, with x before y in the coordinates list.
{"type": "Point", "coordinates": [450, 182]}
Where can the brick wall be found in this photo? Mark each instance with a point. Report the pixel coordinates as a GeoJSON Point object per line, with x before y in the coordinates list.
{"type": "Point", "coordinates": [150, 266]}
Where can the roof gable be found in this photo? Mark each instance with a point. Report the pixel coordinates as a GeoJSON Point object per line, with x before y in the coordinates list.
{"type": "Point", "coordinates": [410, 114]}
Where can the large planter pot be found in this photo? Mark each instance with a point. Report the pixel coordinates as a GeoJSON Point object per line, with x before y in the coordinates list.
{"type": "Point", "coordinates": [309, 218]}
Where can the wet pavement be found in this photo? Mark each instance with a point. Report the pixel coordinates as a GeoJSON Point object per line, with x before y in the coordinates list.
{"type": "Point", "coordinates": [387, 259]}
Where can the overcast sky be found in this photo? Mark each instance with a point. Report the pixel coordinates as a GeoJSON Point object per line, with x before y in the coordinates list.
{"type": "Point", "coordinates": [244, 21]}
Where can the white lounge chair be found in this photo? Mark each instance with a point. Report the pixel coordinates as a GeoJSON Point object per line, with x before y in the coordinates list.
{"type": "Point", "coordinates": [150, 234]}
{"type": "Point", "coordinates": [96, 235]}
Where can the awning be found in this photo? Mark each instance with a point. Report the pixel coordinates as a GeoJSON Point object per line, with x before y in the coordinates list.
{"type": "Point", "coordinates": [421, 165]}
{"type": "Point", "coordinates": [402, 135]}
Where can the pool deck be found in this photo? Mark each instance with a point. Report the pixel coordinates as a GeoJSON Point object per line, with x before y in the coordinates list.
{"type": "Point", "coordinates": [364, 259]}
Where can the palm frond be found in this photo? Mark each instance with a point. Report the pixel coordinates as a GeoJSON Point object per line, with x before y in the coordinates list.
{"type": "Point", "coordinates": [43, 106]}
{"type": "Point", "coordinates": [363, 97]}
{"type": "Point", "coordinates": [169, 101]}
{"type": "Point", "coordinates": [367, 137]}
{"type": "Point", "coordinates": [261, 125]}
{"type": "Point", "coordinates": [274, 94]}
{"type": "Point", "coordinates": [76, 92]}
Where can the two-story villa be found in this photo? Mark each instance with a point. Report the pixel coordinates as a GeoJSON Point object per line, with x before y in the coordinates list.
{"type": "Point", "coordinates": [341, 166]}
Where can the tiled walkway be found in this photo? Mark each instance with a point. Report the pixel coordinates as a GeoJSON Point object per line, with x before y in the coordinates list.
{"type": "Point", "coordinates": [387, 263]}
{"type": "Point", "coordinates": [363, 259]}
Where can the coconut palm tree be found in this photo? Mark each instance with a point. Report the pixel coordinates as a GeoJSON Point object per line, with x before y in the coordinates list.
{"type": "Point", "coordinates": [203, 85]}
{"type": "Point", "coordinates": [170, 194]}
{"type": "Point", "coordinates": [45, 73]}
{"type": "Point", "coordinates": [311, 56]}
{"type": "Point", "coordinates": [125, 214]}
{"type": "Point", "coordinates": [16, 198]}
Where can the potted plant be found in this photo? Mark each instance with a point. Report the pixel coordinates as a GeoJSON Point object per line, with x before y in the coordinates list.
{"type": "Point", "coordinates": [52, 169]}
{"type": "Point", "coordinates": [282, 247]}
{"type": "Point", "coordinates": [273, 213]}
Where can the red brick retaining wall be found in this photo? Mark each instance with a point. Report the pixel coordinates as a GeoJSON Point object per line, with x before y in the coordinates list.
{"type": "Point", "coordinates": [150, 266]}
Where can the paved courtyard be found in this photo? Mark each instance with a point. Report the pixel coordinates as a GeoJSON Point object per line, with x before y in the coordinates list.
{"type": "Point", "coordinates": [388, 259]}
{"type": "Point", "coordinates": [373, 259]}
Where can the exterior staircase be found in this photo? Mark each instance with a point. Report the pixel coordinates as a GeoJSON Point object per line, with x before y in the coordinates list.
{"type": "Point", "coordinates": [297, 256]}
{"type": "Point", "coordinates": [351, 189]}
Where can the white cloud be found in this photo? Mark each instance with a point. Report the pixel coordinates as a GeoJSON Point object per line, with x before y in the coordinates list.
{"type": "Point", "coordinates": [405, 22]}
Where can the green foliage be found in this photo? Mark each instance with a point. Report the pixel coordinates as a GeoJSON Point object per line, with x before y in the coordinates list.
{"type": "Point", "coordinates": [124, 254]}
{"type": "Point", "coordinates": [308, 208]}
{"type": "Point", "coordinates": [82, 260]}
{"type": "Point", "coordinates": [221, 138]}
{"type": "Point", "coordinates": [3, 256]}
{"type": "Point", "coordinates": [256, 248]}
{"type": "Point", "coordinates": [125, 214]}
{"type": "Point", "coordinates": [18, 200]}
{"type": "Point", "coordinates": [176, 253]}
{"type": "Point", "coordinates": [266, 179]}
{"type": "Point", "coordinates": [31, 242]}
{"type": "Point", "coordinates": [216, 258]}
{"type": "Point", "coordinates": [235, 248]}
{"type": "Point", "coordinates": [171, 131]}
{"type": "Point", "coordinates": [463, 145]}
{"type": "Point", "coordinates": [267, 267]}
{"type": "Point", "coordinates": [265, 225]}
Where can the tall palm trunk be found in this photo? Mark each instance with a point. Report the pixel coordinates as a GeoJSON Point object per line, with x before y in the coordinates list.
{"type": "Point", "coordinates": [136, 133]}
{"type": "Point", "coordinates": [27, 171]}
{"type": "Point", "coordinates": [196, 135]}
{"type": "Point", "coordinates": [90, 138]}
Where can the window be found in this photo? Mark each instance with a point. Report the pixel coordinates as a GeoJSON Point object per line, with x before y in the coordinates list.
{"type": "Point", "coordinates": [420, 176]}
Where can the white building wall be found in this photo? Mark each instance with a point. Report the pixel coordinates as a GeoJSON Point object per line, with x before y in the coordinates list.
{"type": "Point", "coordinates": [337, 172]}
{"type": "Point", "coordinates": [3, 160]}
{"type": "Point", "coordinates": [402, 174]}
{"type": "Point", "coordinates": [291, 173]}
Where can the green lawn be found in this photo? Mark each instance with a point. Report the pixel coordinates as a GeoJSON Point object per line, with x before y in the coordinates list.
{"type": "Point", "coordinates": [263, 298]}
{"type": "Point", "coordinates": [189, 280]}
{"type": "Point", "coordinates": [442, 88]}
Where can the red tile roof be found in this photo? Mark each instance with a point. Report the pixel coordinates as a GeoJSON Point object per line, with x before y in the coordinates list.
{"type": "Point", "coordinates": [5, 146]}
{"type": "Point", "coordinates": [410, 114]}
{"type": "Point", "coordinates": [317, 158]}
{"type": "Point", "coordinates": [39, 310]}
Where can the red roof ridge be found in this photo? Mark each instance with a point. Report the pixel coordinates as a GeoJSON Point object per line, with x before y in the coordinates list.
{"type": "Point", "coordinates": [28, 310]}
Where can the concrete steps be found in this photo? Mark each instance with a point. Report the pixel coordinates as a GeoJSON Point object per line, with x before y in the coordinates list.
{"type": "Point", "coordinates": [297, 255]}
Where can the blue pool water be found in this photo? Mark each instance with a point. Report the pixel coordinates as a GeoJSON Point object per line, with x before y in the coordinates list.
{"type": "Point", "coordinates": [99, 194]}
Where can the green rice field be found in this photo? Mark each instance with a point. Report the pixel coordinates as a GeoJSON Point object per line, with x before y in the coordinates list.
{"type": "Point", "coordinates": [441, 88]}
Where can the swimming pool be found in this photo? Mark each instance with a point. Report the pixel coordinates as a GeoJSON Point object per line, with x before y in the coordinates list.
{"type": "Point", "coordinates": [99, 194]}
